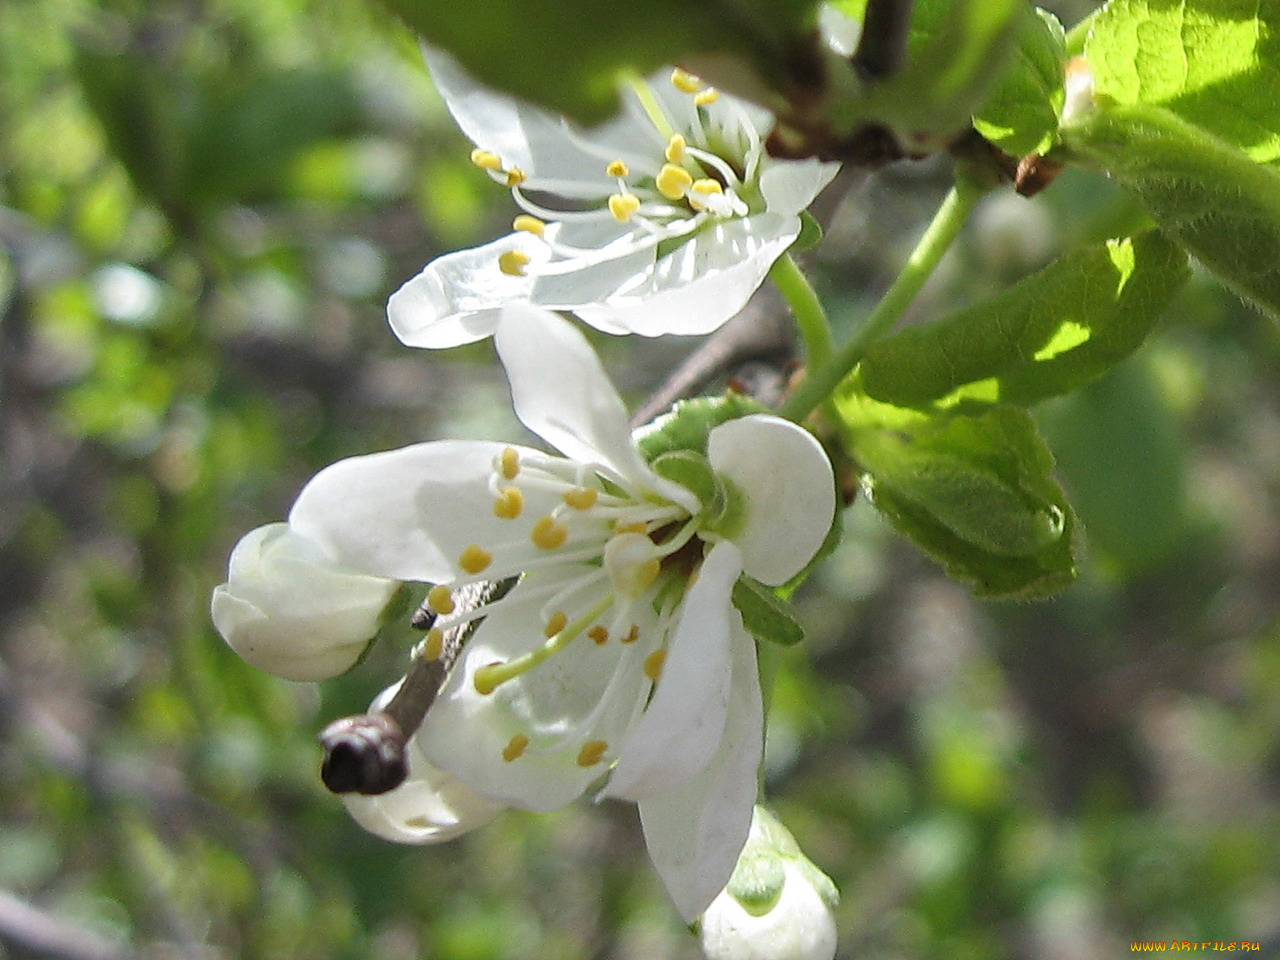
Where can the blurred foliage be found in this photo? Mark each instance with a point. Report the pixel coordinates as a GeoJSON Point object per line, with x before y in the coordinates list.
{"type": "Point", "coordinates": [203, 208]}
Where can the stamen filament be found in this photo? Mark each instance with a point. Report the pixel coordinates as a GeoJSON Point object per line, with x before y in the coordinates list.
{"type": "Point", "coordinates": [489, 677]}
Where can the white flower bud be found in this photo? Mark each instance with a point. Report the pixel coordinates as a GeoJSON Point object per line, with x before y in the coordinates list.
{"type": "Point", "coordinates": [288, 609]}
{"type": "Point", "coordinates": [777, 905]}
{"type": "Point", "coordinates": [431, 806]}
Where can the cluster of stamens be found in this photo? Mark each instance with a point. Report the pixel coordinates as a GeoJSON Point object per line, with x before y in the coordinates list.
{"type": "Point", "coordinates": [618, 536]}
{"type": "Point", "coordinates": [670, 198]}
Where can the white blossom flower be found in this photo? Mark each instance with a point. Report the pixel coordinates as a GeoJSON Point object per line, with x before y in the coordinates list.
{"type": "Point", "coordinates": [618, 657]}
{"type": "Point", "coordinates": [430, 806]}
{"type": "Point", "coordinates": [289, 609]}
{"type": "Point", "coordinates": [664, 220]}
{"type": "Point", "coordinates": [777, 906]}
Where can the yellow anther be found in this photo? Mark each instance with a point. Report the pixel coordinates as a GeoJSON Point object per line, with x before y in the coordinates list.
{"type": "Point", "coordinates": [703, 188]}
{"type": "Point", "coordinates": [513, 262]}
{"type": "Point", "coordinates": [516, 176]}
{"type": "Point", "coordinates": [509, 503]}
{"type": "Point", "coordinates": [623, 206]}
{"type": "Point", "coordinates": [684, 81]}
{"type": "Point", "coordinates": [486, 160]}
{"type": "Point", "coordinates": [433, 644]}
{"type": "Point", "coordinates": [633, 634]}
{"type": "Point", "coordinates": [440, 599]}
{"type": "Point", "coordinates": [555, 624]}
{"type": "Point", "coordinates": [592, 752]}
{"type": "Point", "coordinates": [475, 558]}
{"type": "Point", "coordinates": [675, 148]}
{"type": "Point", "coordinates": [488, 677]}
{"type": "Point", "coordinates": [515, 747]}
{"type": "Point", "coordinates": [581, 498]}
{"type": "Point", "coordinates": [549, 533]}
{"type": "Point", "coordinates": [528, 224]}
{"type": "Point", "coordinates": [653, 664]}
{"type": "Point", "coordinates": [638, 527]}
{"type": "Point", "coordinates": [599, 634]}
{"type": "Point", "coordinates": [617, 169]}
{"type": "Point", "coordinates": [673, 181]}
{"type": "Point", "coordinates": [510, 463]}
{"type": "Point", "coordinates": [707, 96]}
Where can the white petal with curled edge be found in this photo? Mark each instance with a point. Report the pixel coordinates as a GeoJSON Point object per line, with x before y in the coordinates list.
{"type": "Point", "coordinates": [409, 514]}
{"type": "Point", "coordinates": [789, 186]}
{"type": "Point", "coordinates": [696, 831]}
{"type": "Point", "coordinates": [457, 298]}
{"type": "Point", "coordinates": [562, 393]}
{"type": "Point", "coordinates": [537, 141]}
{"type": "Point", "coordinates": [553, 703]}
{"type": "Point", "coordinates": [788, 487]}
{"type": "Point", "coordinates": [682, 726]}
{"type": "Point", "coordinates": [701, 284]}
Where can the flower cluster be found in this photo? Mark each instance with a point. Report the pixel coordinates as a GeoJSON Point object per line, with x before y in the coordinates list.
{"type": "Point", "coordinates": [617, 662]}
{"type": "Point", "coordinates": [662, 221]}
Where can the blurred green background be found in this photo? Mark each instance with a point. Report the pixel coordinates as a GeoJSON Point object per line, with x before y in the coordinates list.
{"type": "Point", "coordinates": [203, 207]}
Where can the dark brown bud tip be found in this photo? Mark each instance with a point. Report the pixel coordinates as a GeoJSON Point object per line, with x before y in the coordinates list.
{"type": "Point", "coordinates": [363, 754]}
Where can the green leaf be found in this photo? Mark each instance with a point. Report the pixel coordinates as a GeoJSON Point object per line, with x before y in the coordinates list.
{"type": "Point", "coordinates": [1204, 193]}
{"type": "Point", "coordinates": [765, 615]}
{"type": "Point", "coordinates": [955, 54]}
{"type": "Point", "coordinates": [1021, 116]}
{"type": "Point", "coordinates": [1214, 63]}
{"type": "Point", "coordinates": [568, 55]}
{"type": "Point", "coordinates": [1052, 332]}
{"type": "Point", "coordinates": [973, 491]}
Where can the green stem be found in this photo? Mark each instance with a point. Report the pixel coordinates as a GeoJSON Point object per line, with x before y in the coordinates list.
{"type": "Point", "coordinates": [823, 380]}
{"type": "Point", "coordinates": [811, 319]}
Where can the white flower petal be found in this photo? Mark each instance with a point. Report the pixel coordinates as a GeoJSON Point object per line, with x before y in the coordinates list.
{"type": "Point", "coordinates": [699, 285]}
{"type": "Point", "coordinates": [429, 807]}
{"type": "Point", "coordinates": [695, 832]}
{"type": "Point", "coordinates": [466, 732]}
{"type": "Point", "coordinates": [456, 298]}
{"type": "Point", "coordinates": [791, 186]}
{"type": "Point", "coordinates": [682, 727]}
{"type": "Point", "coordinates": [800, 926]}
{"type": "Point", "coordinates": [537, 141]}
{"type": "Point", "coordinates": [410, 513]}
{"type": "Point", "coordinates": [789, 489]}
{"type": "Point", "coordinates": [562, 393]}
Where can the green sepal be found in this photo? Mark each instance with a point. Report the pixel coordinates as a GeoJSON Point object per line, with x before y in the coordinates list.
{"type": "Point", "coordinates": [765, 615]}
{"type": "Point", "coordinates": [392, 620]}
{"type": "Point", "coordinates": [1204, 193]}
{"type": "Point", "coordinates": [810, 233]}
{"type": "Point", "coordinates": [1021, 115]}
{"type": "Point", "coordinates": [569, 55]}
{"type": "Point", "coordinates": [1213, 63]}
{"type": "Point", "coordinates": [1049, 334]}
{"type": "Point", "coordinates": [692, 471]}
{"type": "Point", "coordinates": [690, 422]}
{"type": "Point", "coordinates": [974, 491]}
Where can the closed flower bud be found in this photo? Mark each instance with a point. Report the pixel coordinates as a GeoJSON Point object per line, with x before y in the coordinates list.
{"type": "Point", "coordinates": [288, 609]}
{"type": "Point", "coordinates": [777, 905]}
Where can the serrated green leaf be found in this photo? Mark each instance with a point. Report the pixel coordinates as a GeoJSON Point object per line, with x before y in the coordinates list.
{"type": "Point", "coordinates": [956, 52]}
{"type": "Point", "coordinates": [1214, 63]}
{"type": "Point", "coordinates": [1052, 332]}
{"type": "Point", "coordinates": [973, 491]}
{"type": "Point", "coordinates": [1021, 115]}
{"type": "Point", "coordinates": [1223, 207]}
{"type": "Point", "coordinates": [764, 614]}
{"type": "Point", "coordinates": [568, 55]}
